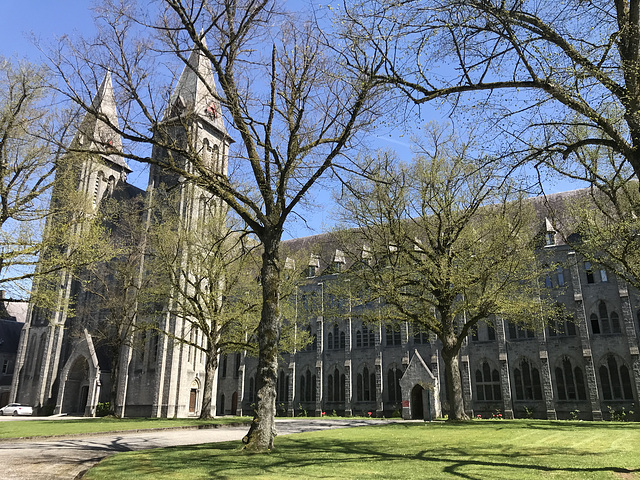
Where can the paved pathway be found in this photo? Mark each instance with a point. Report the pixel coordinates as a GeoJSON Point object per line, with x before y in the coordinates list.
{"type": "Point", "coordinates": [68, 458]}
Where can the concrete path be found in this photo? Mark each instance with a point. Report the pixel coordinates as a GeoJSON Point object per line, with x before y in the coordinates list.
{"type": "Point", "coordinates": [69, 457]}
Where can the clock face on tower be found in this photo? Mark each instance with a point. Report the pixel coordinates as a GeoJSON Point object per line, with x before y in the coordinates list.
{"type": "Point", "coordinates": [211, 110]}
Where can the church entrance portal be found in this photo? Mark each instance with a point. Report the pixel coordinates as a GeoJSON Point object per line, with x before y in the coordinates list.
{"type": "Point", "coordinates": [76, 390]}
{"type": "Point", "coordinates": [417, 406]}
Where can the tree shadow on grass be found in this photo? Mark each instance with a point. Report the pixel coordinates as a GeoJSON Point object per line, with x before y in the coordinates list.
{"type": "Point", "coordinates": [307, 456]}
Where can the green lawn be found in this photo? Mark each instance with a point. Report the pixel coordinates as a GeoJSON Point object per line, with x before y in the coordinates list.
{"type": "Point", "coordinates": [44, 428]}
{"type": "Point", "coordinates": [522, 449]}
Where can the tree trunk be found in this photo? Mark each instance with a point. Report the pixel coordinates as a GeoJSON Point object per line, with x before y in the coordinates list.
{"type": "Point", "coordinates": [454, 381]}
{"type": "Point", "coordinates": [263, 429]}
{"type": "Point", "coordinates": [210, 369]}
{"type": "Point", "coordinates": [114, 378]}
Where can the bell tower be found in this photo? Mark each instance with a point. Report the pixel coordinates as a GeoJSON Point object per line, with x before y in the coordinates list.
{"type": "Point", "coordinates": [192, 138]}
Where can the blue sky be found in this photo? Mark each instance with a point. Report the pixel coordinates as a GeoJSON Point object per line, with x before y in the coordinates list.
{"type": "Point", "coordinates": [46, 20]}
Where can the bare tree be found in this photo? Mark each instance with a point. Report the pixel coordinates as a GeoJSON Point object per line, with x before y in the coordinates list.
{"type": "Point", "coordinates": [443, 243]}
{"type": "Point", "coordinates": [292, 104]}
{"type": "Point", "coordinates": [550, 80]}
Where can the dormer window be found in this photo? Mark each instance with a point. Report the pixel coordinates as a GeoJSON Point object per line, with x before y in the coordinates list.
{"type": "Point", "coordinates": [289, 267]}
{"type": "Point", "coordinates": [339, 261]}
{"type": "Point", "coordinates": [314, 265]}
{"type": "Point", "coordinates": [366, 255]}
{"type": "Point", "coordinates": [550, 238]}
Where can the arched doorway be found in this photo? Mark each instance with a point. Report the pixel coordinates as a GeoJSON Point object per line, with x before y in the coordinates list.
{"type": "Point", "coordinates": [234, 403]}
{"type": "Point", "coordinates": [76, 389]}
{"type": "Point", "coordinates": [193, 397]}
{"type": "Point", "coordinates": [417, 406]}
{"type": "Point", "coordinates": [221, 405]}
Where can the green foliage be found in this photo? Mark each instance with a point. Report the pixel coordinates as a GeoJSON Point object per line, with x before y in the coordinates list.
{"type": "Point", "coordinates": [209, 269]}
{"type": "Point", "coordinates": [443, 243]}
{"type": "Point", "coordinates": [607, 222]}
{"type": "Point", "coordinates": [447, 239]}
{"type": "Point", "coordinates": [45, 220]}
{"type": "Point", "coordinates": [103, 409]}
{"type": "Point", "coordinates": [621, 415]}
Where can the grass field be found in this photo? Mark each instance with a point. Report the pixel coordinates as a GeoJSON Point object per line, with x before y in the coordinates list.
{"type": "Point", "coordinates": [44, 428]}
{"type": "Point", "coordinates": [521, 449]}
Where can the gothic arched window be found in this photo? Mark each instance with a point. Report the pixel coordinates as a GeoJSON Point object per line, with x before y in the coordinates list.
{"type": "Point", "coordinates": [527, 382]}
{"type": "Point", "coordinates": [570, 381]}
{"type": "Point", "coordinates": [393, 334]}
{"type": "Point", "coordinates": [393, 385]}
{"type": "Point", "coordinates": [603, 322]}
{"type": "Point", "coordinates": [487, 383]}
{"type": "Point", "coordinates": [335, 386]}
{"type": "Point", "coordinates": [615, 380]}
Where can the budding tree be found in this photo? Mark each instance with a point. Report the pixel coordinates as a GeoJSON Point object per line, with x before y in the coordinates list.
{"type": "Point", "coordinates": [443, 243]}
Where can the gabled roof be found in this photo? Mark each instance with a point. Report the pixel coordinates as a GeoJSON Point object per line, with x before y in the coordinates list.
{"type": "Point", "coordinates": [96, 134]}
{"type": "Point", "coordinates": [196, 93]}
{"type": "Point", "coordinates": [417, 372]}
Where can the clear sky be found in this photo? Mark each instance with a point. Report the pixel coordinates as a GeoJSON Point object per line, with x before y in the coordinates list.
{"type": "Point", "coordinates": [47, 20]}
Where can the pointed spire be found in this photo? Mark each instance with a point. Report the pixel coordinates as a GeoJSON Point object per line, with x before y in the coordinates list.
{"type": "Point", "coordinates": [96, 134]}
{"type": "Point", "coordinates": [196, 92]}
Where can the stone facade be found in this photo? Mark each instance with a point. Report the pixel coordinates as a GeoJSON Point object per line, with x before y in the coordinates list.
{"type": "Point", "coordinates": [580, 368]}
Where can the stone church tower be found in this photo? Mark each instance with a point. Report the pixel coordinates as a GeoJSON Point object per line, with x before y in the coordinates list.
{"type": "Point", "coordinates": [192, 122]}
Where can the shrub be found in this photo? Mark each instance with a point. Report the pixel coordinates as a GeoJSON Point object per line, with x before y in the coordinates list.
{"type": "Point", "coordinates": [103, 409]}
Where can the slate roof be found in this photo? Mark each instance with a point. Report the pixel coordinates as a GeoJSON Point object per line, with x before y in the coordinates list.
{"type": "Point", "coordinates": [552, 211]}
{"type": "Point", "coordinates": [9, 335]}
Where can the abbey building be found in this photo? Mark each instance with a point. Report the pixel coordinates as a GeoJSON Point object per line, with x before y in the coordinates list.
{"type": "Point", "coordinates": [583, 367]}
